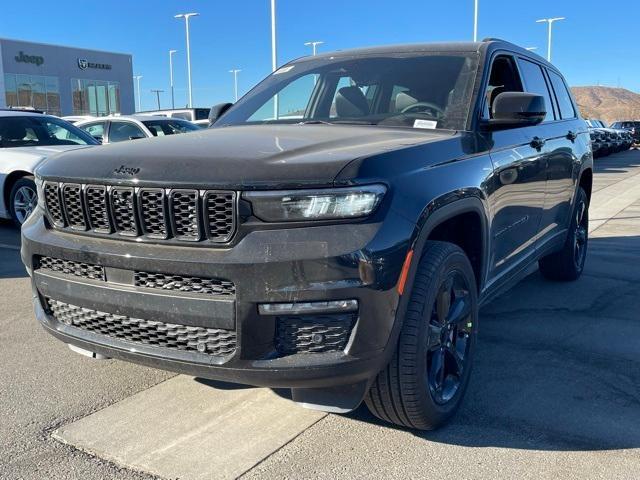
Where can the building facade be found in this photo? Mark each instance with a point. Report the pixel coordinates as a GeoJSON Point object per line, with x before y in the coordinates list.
{"type": "Point", "coordinates": [65, 80]}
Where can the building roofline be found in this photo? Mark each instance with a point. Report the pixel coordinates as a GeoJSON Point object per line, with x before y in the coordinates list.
{"type": "Point", "coordinates": [64, 46]}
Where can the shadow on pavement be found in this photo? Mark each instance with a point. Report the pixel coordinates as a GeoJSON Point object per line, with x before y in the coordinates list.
{"type": "Point", "coordinates": [615, 162]}
{"type": "Point", "coordinates": [558, 364]}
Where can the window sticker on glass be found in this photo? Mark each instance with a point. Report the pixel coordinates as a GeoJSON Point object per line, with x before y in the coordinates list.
{"type": "Point", "coordinates": [283, 70]}
{"type": "Point", "coordinates": [419, 123]}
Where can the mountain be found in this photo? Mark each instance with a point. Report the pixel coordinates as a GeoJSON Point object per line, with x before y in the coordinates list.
{"type": "Point", "coordinates": [607, 104]}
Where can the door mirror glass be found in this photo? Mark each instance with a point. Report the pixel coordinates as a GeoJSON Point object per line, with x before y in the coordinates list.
{"type": "Point", "coordinates": [217, 111]}
{"type": "Point", "coordinates": [516, 109]}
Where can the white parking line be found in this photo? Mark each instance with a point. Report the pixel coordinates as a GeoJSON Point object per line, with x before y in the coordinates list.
{"type": "Point", "coordinates": [9, 246]}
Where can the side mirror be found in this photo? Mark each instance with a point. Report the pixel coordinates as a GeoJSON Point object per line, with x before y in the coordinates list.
{"type": "Point", "coordinates": [217, 111]}
{"type": "Point", "coordinates": [516, 109]}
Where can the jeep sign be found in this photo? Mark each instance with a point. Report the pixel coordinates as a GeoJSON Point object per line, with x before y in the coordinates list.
{"type": "Point", "coordinates": [35, 59]}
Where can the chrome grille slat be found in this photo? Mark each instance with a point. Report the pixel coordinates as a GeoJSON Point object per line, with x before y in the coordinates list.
{"type": "Point", "coordinates": [97, 208]}
{"type": "Point", "coordinates": [52, 201]}
{"type": "Point", "coordinates": [73, 207]}
{"type": "Point", "coordinates": [124, 210]}
{"type": "Point", "coordinates": [183, 215]}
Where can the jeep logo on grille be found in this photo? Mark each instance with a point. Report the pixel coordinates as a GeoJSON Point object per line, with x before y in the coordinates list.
{"type": "Point", "coordinates": [124, 170]}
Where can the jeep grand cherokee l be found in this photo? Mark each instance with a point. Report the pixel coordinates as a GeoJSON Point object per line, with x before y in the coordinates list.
{"type": "Point", "coordinates": [334, 233]}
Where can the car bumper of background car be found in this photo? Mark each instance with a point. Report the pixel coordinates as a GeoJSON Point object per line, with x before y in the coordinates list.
{"type": "Point", "coordinates": [120, 299]}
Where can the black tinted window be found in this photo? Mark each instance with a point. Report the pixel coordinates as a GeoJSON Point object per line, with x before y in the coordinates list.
{"type": "Point", "coordinates": [562, 96]}
{"type": "Point", "coordinates": [534, 82]}
{"type": "Point", "coordinates": [27, 131]}
{"type": "Point", "coordinates": [121, 131]}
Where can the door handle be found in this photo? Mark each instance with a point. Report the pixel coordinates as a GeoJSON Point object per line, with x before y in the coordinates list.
{"type": "Point", "coordinates": [572, 136]}
{"type": "Point", "coordinates": [537, 143]}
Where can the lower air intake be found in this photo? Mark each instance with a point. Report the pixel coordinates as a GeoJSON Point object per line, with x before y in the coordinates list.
{"type": "Point", "coordinates": [313, 333]}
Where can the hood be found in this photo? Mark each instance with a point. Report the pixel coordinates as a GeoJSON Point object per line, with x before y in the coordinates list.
{"type": "Point", "coordinates": [236, 157]}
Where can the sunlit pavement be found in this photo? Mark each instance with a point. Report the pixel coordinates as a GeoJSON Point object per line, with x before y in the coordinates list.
{"type": "Point", "coordinates": [555, 391]}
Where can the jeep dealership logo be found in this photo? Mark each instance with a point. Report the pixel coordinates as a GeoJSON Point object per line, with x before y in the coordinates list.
{"type": "Point", "coordinates": [83, 64]}
{"type": "Point", "coordinates": [35, 59]}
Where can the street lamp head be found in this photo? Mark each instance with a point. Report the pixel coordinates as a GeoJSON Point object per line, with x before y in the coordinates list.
{"type": "Point", "coordinates": [171, 52]}
{"type": "Point", "coordinates": [550, 20]}
{"type": "Point", "coordinates": [235, 70]}
{"type": "Point", "coordinates": [186, 15]}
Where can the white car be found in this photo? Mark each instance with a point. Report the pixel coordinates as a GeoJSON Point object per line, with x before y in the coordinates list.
{"type": "Point", "coordinates": [78, 118]}
{"type": "Point", "coordinates": [131, 127]}
{"type": "Point", "coordinates": [26, 139]}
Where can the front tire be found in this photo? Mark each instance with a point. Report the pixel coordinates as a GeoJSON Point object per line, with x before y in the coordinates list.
{"type": "Point", "coordinates": [424, 384]}
{"type": "Point", "coordinates": [568, 264]}
{"type": "Point", "coordinates": [22, 200]}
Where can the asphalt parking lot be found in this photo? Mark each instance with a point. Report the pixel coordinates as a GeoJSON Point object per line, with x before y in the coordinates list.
{"type": "Point", "coordinates": [555, 391]}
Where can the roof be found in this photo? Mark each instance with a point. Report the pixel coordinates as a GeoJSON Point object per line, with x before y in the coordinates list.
{"type": "Point", "coordinates": [64, 46]}
{"type": "Point", "coordinates": [435, 47]}
{"type": "Point", "coordinates": [18, 113]}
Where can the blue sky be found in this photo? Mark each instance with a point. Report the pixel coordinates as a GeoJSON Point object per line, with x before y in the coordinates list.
{"type": "Point", "coordinates": [596, 44]}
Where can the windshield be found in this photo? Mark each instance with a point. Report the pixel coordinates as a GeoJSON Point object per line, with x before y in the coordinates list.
{"type": "Point", "coordinates": [427, 91]}
{"type": "Point", "coordinates": [159, 128]}
{"type": "Point", "coordinates": [33, 131]}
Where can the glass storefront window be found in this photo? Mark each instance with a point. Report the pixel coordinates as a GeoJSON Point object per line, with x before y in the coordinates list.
{"type": "Point", "coordinates": [37, 91]}
{"type": "Point", "coordinates": [95, 97]}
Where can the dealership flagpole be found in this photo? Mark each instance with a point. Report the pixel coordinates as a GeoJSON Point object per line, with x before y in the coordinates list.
{"type": "Point", "coordinates": [171, 52]}
{"type": "Point", "coordinates": [186, 17]}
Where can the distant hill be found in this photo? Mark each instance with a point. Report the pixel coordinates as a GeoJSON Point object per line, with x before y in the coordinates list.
{"type": "Point", "coordinates": [608, 104]}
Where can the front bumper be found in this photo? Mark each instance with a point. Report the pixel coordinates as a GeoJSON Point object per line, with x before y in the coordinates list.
{"type": "Point", "coordinates": [332, 262]}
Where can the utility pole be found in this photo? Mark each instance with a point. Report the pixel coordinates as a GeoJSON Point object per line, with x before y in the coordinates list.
{"type": "Point", "coordinates": [186, 17]}
{"type": "Point", "coordinates": [549, 22]}
{"type": "Point", "coordinates": [137, 78]}
{"type": "Point", "coordinates": [475, 20]}
{"type": "Point", "coordinates": [157, 92]}
{"type": "Point", "coordinates": [235, 72]}
{"type": "Point", "coordinates": [173, 100]}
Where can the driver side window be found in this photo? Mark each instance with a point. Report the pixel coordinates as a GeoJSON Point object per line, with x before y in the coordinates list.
{"type": "Point", "coordinates": [504, 77]}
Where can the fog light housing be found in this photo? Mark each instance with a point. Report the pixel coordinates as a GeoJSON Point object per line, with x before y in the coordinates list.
{"type": "Point", "coordinates": [302, 308]}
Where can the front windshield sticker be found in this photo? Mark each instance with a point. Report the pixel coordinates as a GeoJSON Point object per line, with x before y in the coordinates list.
{"type": "Point", "coordinates": [284, 70]}
{"type": "Point", "coordinates": [419, 123]}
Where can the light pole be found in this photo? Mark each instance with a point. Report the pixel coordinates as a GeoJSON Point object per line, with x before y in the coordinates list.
{"type": "Point", "coordinates": [186, 17]}
{"type": "Point", "coordinates": [138, 77]}
{"type": "Point", "coordinates": [157, 92]}
{"type": "Point", "coordinates": [173, 101]}
{"type": "Point", "coordinates": [274, 62]}
{"type": "Point", "coordinates": [313, 45]}
{"type": "Point", "coordinates": [235, 72]}
{"type": "Point", "coordinates": [549, 22]}
{"type": "Point", "coordinates": [475, 20]}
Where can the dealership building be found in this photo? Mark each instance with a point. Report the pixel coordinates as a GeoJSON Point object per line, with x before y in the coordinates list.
{"type": "Point", "coordinates": [65, 80]}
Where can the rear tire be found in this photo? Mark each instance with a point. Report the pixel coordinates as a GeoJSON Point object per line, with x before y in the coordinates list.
{"type": "Point", "coordinates": [567, 264]}
{"type": "Point", "coordinates": [22, 200]}
{"type": "Point", "coordinates": [425, 382]}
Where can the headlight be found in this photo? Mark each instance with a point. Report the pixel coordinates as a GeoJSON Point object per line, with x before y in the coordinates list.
{"type": "Point", "coordinates": [40, 191]}
{"type": "Point", "coordinates": [324, 204]}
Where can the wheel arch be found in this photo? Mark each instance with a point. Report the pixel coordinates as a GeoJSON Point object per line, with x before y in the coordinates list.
{"type": "Point", "coordinates": [9, 181]}
{"type": "Point", "coordinates": [586, 182]}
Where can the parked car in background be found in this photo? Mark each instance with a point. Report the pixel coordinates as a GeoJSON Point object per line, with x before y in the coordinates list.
{"type": "Point", "coordinates": [26, 139]}
{"type": "Point", "coordinates": [133, 127]}
{"type": "Point", "coordinates": [602, 143]}
{"type": "Point", "coordinates": [632, 126]}
{"type": "Point", "coordinates": [78, 118]}
{"type": "Point", "coordinates": [341, 249]}
{"type": "Point", "coordinates": [191, 114]}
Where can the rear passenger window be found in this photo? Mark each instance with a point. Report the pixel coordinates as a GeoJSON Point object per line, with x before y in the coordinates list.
{"type": "Point", "coordinates": [534, 82]}
{"type": "Point", "coordinates": [562, 96]}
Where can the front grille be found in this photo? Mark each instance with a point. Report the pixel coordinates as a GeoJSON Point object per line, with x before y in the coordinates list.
{"type": "Point", "coordinates": [153, 213]}
{"type": "Point", "coordinates": [68, 267]}
{"type": "Point", "coordinates": [313, 333]}
{"type": "Point", "coordinates": [207, 286]}
{"type": "Point", "coordinates": [213, 341]}
{"type": "Point", "coordinates": [160, 281]}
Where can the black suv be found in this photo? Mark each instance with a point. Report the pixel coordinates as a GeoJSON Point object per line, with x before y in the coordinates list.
{"type": "Point", "coordinates": [335, 232]}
